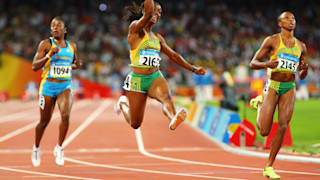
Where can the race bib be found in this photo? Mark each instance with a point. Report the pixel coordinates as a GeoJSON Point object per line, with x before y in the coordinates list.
{"type": "Point", "coordinates": [60, 71]}
{"type": "Point", "coordinates": [287, 62]}
{"type": "Point", "coordinates": [149, 57]}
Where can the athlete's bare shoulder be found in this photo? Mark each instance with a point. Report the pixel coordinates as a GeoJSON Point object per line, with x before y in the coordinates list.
{"type": "Point", "coordinates": [275, 38]}
{"type": "Point", "coordinates": [73, 44]}
{"type": "Point", "coordinates": [45, 45]}
{"type": "Point", "coordinates": [272, 41]}
{"type": "Point", "coordinates": [46, 42]}
{"type": "Point", "coordinates": [301, 45]}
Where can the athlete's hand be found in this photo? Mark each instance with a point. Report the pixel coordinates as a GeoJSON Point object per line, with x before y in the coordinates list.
{"type": "Point", "coordinates": [54, 51]}
{"type": "Point", "coordinates": [303, 65]}
{"type": "Point", "coordinates": [199, 70]}
{"type": "Point", "coordinates": [272, 64]}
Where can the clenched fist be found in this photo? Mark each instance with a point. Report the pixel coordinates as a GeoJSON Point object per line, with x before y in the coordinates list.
{"type": "Point", "coordinates": [199, 70]}
{"type": "Point", "coordinates": [272, 64]}
{"type": "Point", "coordinates": [54, 51]}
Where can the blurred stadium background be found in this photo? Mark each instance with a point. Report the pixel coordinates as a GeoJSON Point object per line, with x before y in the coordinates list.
{"type": "Point", "coordinates": [221, 35]}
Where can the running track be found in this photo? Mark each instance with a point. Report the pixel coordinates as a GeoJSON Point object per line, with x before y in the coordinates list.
{"type": "Point", "coordinates": [101, 145]}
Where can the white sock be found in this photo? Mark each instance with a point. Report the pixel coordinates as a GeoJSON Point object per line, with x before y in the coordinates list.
{"type": "Point", "coordinates": [35, 148]}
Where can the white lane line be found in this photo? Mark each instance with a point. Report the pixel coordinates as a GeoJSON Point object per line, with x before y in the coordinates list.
{"type": "Point", "coordinates": [46, 174]}
{"type": "Point", "coordinates": [19, 115]}
{"type": "Point", "coordinates": [87, 122]}
{"type": "Point", "coordinates": [144, 152]}
{"type": "Point", "coordinates": [109, 150]}
{"type": "Point", "coordinates": [143, 170]}
{"type": "Point", "coordinates": [32, 125]}
{"type": "Point", "coordinates": [245, 152]}
{"type": "Point", "coordinates": [18, 131]}
{"type": "Point", "coordinates": [316, 145]}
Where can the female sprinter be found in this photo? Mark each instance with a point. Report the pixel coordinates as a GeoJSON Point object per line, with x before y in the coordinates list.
{"type": "Point", "coordinates": [287, 55]}
{"type": "Point", "coordinates": [57, 57]}
{"type": "Point", "coordinates": [146, 80]}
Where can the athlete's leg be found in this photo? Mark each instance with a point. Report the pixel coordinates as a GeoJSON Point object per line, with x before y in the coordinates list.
{"type": "Point", "coordinates": [133, 111]}
{"type": "Point", "coordinates": [159, 90]}
{"type": "Point", "coordinates": [64, 101]}
{"type": "Point", "coordinates": [266, 111]}
{"type": "Point", "coordinates": [46, 110]}
{"type": "Point", "coordinates": [285, 111]}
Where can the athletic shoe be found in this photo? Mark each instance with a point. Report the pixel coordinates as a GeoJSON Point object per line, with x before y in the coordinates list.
{"type": "Point", "coordinates": [269, 172]}
{"type": "Point", "coordinates": [58, 153]}
{"type": "Point", "coordinates": [117, 108]}
{"type": "Point", "coordinates": [255, 101]}
{"type": "Point", "coordinates": [35, 156]}
{"type": "Point", "coordinates": [178, 119]}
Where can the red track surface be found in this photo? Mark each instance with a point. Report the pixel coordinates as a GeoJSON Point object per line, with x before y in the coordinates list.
{"type": "Point", "coordinates": [107, 148]}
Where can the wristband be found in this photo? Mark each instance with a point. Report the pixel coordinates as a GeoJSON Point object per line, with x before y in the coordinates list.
{"type": "Point", "coordinates": [194, 68]}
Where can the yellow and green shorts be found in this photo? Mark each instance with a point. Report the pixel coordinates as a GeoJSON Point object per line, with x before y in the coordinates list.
{"type": "Point", "coordinates": [280, 87]}
{"type": "Point", "coordinates": [140, 83]}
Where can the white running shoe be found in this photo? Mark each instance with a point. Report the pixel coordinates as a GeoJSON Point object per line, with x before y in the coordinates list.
{"type": "Point", "coordinates": [58, 153]}
{"type": "Point", "coordinates": [35, 156]}
{"type": "Point", "coordinates": [180, 116]}
{"type": "Point", "coordinates": [117, 108]}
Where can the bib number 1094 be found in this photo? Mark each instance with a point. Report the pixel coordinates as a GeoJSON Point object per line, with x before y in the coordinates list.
{"type": "Point", "coordinates": [60, 71]}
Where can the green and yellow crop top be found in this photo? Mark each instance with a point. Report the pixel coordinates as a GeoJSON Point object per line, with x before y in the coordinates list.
{"type": "Point", "coordinates": [147, 54]}
{"type": "Point", "coordinates": [289, 58]}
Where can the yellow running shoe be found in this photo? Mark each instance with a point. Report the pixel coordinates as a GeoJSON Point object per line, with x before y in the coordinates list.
{"type": "Point", "coordinates": [268, 172]}
{"type": "Point", "coordinates": [255, 101]}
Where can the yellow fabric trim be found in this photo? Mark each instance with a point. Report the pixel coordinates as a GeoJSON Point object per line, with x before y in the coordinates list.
{"type": "Point", "coordinates": [41, 85]}
{"type": "Point", "coordinates": [281, 45]}
{"type": "Point", "coordinates": [47, 65]}
{"type": "Point", "coordinates": [71, 48]}
{"type": "Point", "coordinates": [63, 57]}
{"type": "Point", "coordinates": [134, 52]}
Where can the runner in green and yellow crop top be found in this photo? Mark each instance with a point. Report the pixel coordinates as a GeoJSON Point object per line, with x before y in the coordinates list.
{"type": "Point", "coordinates": [286, 58]}
{"type": "Point", "coordinates": [146, 80]}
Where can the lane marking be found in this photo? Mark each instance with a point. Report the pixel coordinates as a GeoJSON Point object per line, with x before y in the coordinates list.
{"type": "Point", "coordinates": [87, 122]}
{"type": "Point", "coordinates": [19, 115]}
{"type": "Point", "coordinates": [18, 131]}
{"type": "Point", "coordinates": [245, 152]}
{"type": "Point", "coordinates": [45, 174]}
{"type": "Point", "coordinates": [144, 152]}
{"type": "Point", "coordinates": [32, 125]}
{"type": "Point", "coordinates": [109, 150]}
{"type": "Point", "coordinates": [316, 145]}
{"type": "Point", "coordinates": [143, 170]}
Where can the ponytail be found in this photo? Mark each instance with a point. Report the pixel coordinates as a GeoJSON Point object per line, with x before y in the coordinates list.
{"type": "Point", "coordinates": [133, 12]}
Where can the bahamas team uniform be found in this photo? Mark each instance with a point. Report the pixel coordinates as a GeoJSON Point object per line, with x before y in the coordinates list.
{"type": "Point", "coordinates": [57, 67]}
{"type": "Point", "coordinates": [289, 59]}
{"type": "Point", "coordinates": [146, 55]}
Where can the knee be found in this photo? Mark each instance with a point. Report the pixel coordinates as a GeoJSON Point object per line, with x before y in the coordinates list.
{"type": "Point", "coordinates": [65, 117]}
{"type": "Point", "coordinates": [43, 124]}
{"type": "Point", "coordinates": [282, 127]}
{"type": "Point", "coordinates": [165, 97]}
{"type": "Point", "coordinates": [264, 132]}
{"type": "Point", "coordinates": [135, 125]}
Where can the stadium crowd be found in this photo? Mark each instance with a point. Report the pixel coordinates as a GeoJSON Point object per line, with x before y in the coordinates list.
{"type": "Point", "coordinates": [216, 34]}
